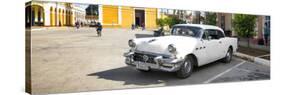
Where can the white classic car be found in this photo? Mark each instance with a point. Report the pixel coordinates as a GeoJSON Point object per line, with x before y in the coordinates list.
{"type": "Point", "coordinates": [188, 46]}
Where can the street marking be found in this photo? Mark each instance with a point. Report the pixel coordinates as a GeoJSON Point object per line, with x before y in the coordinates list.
{"type": "Point", "coordinates": [222, 73]}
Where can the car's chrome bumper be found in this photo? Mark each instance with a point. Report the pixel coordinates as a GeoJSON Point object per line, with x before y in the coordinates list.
{"type": "Point", "coordinates": [160, 63]}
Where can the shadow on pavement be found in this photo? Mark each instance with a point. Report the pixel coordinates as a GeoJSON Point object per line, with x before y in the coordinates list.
{"type": "Point", "coordinates": [131, 76]}
{"type": "Point", "coordinates": [143, 35]}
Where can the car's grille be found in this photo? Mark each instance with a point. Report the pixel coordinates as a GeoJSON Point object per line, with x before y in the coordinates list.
{"type": "Point", "coordinates": [140, 57]}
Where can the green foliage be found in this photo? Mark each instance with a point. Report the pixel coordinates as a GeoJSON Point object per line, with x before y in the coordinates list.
{"type": "Point", "coordinates": [161, 22]}
{"type": "Point", "coordinates": [176, 20]}
{"type": "Point", "coordinates": [92, 10]}
{"type": "Point", "coordinates": [244, 25]}
{"type": "Point", "coordinates": [211, 18]}
{"type": "Point", "coordinates": [170, 21]}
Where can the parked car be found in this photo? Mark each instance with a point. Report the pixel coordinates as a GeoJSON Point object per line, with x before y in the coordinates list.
{"type": "Point", "coordinates": [159, 32]}
{"type": "Point", "coordinates": [188, 46]}
{"type": "Point", "coordinates": [92, 24]}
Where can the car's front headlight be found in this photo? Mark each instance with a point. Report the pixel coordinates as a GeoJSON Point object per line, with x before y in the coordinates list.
{"type": "Point", "coordinates": [132, 44]}
{"type": "Point", "coordinates": [172, 48]}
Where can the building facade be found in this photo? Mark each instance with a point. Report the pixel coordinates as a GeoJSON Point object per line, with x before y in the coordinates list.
{"type": "Point", "coordinates": [125, 16]}
{"type": "Point", "coordinates": [40, 13]}
{"type": "Point", "coordinates": [262, 27]}
{"type": "Point", "coordinates": [224, 20]}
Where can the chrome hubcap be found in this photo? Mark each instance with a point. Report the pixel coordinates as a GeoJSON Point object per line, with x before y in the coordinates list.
{"type": "Point", "coordinates": [187, 65]}
{"type": "Point", "coordinates": [228, 55]}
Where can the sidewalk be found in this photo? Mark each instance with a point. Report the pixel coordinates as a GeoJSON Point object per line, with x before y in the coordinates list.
{"type": "Point", "coordinates": [254, 55]}
{"type": "Point", "coordinates": [254, 52]}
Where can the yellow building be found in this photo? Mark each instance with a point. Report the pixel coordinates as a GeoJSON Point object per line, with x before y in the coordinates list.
{"type": "Point", "coordinates": [42, 13]}
{"type": "Point", "coordinates": [125, 16]}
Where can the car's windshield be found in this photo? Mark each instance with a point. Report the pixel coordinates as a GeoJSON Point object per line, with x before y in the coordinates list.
{"type": "Point", "coordinates": [186, 31]}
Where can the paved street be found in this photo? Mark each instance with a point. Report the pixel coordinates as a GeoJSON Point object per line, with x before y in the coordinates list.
{"type": "Point", "coordinates": [71, 60]}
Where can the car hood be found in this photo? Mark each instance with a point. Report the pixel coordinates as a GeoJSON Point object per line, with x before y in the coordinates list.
{"type": "Point", "coordinates": [183, 44]}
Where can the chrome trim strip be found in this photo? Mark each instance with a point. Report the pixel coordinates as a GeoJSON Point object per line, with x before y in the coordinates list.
{"type": "Point", "coordinates": [151, 53]}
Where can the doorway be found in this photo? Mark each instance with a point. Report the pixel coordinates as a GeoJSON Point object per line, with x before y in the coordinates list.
{"type": "Point", "coordinates": [139, 18]}
{"type": "Point", "coordinates": [34, 15]}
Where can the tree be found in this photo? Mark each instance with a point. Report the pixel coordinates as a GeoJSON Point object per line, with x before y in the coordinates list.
{"type": "Point", "coordinates": [170, 21]}
{"type": "Point", "coordinates": [244, 25]}
{"type": "Point", "coordinates": [161, 22]}
{"type": "Point", "coordinates": [92, 10]}
{"type": "Point", "coordinates": [211, 18]}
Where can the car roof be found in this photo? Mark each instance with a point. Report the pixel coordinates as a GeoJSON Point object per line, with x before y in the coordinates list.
{"type": "Point", "coordinates": [201, 26]}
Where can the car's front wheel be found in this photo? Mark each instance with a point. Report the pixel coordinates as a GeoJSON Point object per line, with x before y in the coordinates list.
{"type": "Point", "coordinates": [186, 68]}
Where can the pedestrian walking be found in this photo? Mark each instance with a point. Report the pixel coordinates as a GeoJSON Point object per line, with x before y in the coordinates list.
{"type": "Point", "coordinates": [99, 29]}
{"type": "Point", "coordinates": [77, 24]}
{"type": "Point", "coordinates": [133, 27]}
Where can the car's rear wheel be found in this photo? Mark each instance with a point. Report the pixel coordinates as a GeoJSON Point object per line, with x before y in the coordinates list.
{"type": "Point", "coordinates": [186, 68]}
{"type": "Point", "coordinates": [228, 56]}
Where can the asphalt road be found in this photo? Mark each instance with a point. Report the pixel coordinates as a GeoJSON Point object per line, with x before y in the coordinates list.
{"type": "Point", "coordinates": [71, 60]}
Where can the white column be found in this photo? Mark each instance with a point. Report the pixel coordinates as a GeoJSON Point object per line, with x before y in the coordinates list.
{"type": "Point", "coordinates": [47, 16]}
{"type": "Point", "coordinates": [73, 17]}
{"type": "Point", "coordinates": [159, 13]}
{"type": "Point", "coordinates": [228, 21]}
{"type": "Point", "coordinates": [119, 15]}
{"type": "Point", "coordinates": [134, 16]}
{"type": "Point", "coordinates": [232, 29]}
{"type": "Point", "coordinates": [145, 22]}
{"type": "Point", "coordinates": [100, 14]}
{"type": "Point", "coordinates": [35, 14]}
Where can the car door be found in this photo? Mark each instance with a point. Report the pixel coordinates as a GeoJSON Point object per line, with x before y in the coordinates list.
{"type": "Point", "coordinates": [200, 50]}
{"type": "Point", "coordinates": [213, 47]}
{"type": "Point", "coordinates": [222, 47]}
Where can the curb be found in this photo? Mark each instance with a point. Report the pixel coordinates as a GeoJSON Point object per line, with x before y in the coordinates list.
{"type": "Point", "coordinates": [256, 60]}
